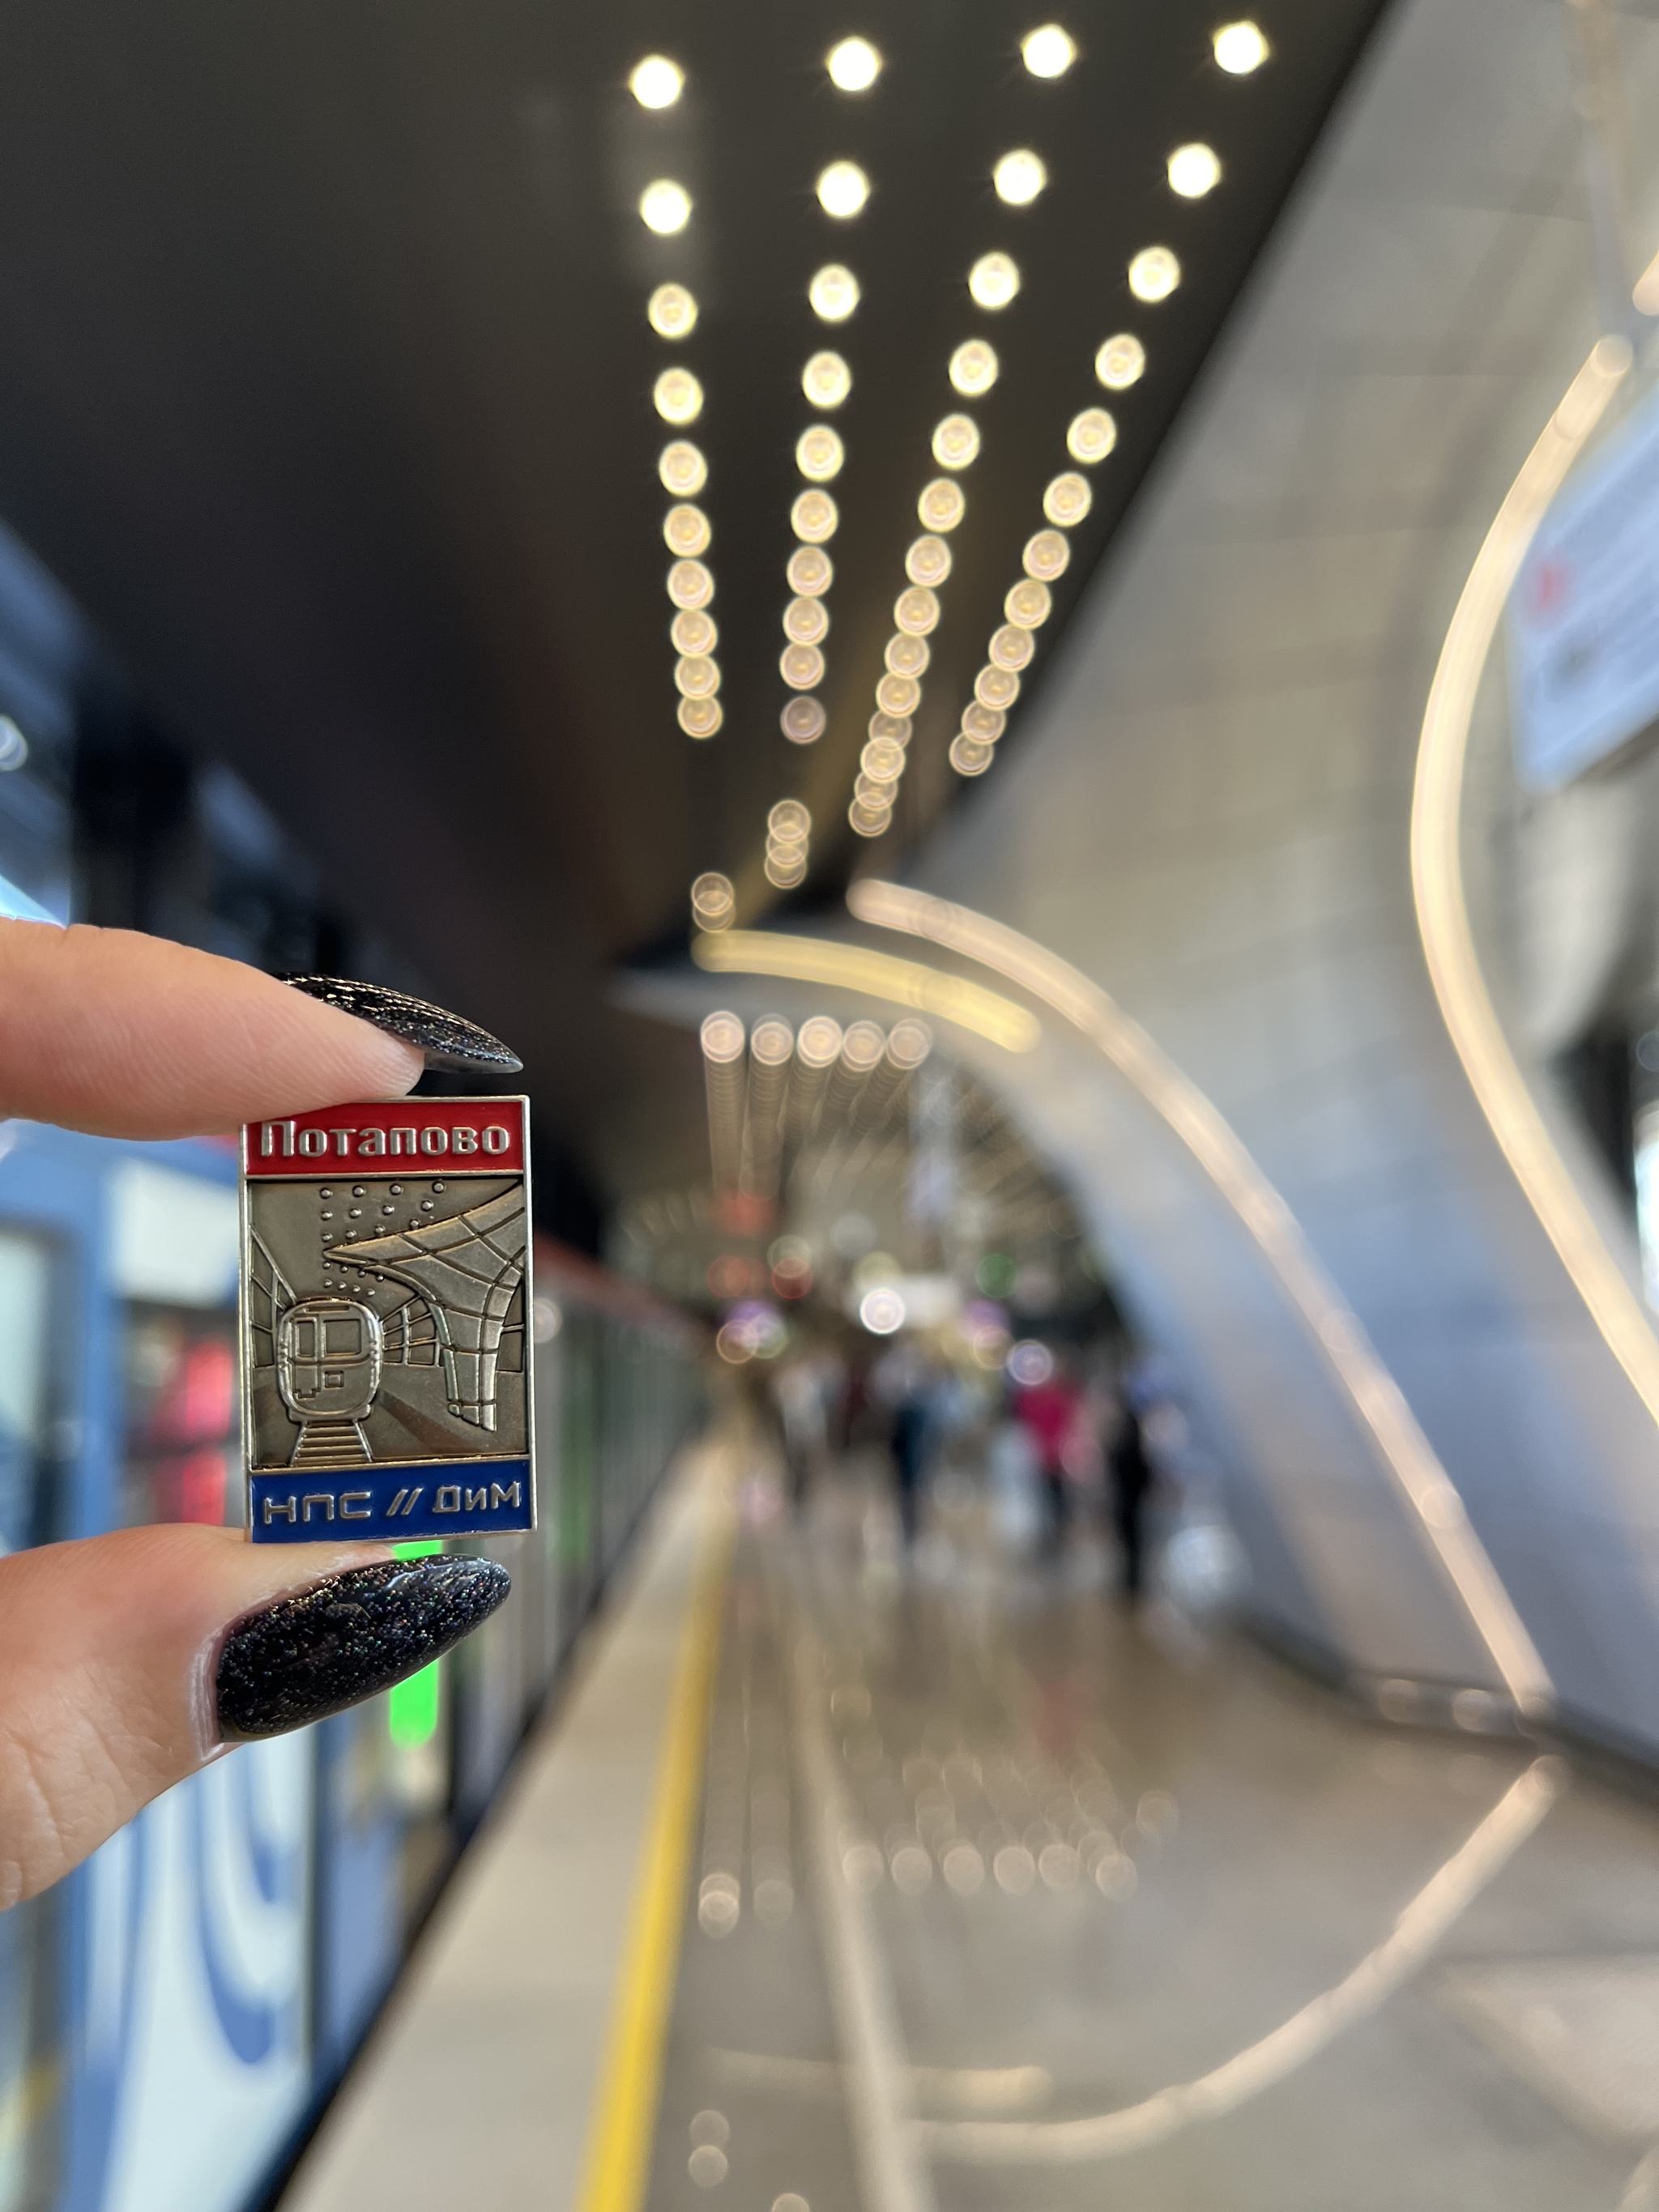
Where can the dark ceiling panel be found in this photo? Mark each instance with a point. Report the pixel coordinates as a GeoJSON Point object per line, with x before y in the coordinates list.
{"type": "Point", "coordinates": [327, 392]}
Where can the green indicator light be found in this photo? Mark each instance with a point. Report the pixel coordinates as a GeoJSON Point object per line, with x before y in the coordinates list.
{"type": "Point", "coordinates": [412, 1709]}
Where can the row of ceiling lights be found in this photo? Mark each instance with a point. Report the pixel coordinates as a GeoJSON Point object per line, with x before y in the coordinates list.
{"type": "Point", "coordinates": [843, 189]}
{"type": "Point", "coordinates": [1154, 274]}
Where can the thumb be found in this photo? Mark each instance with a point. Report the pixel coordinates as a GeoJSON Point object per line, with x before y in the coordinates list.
{"type": "Point", "coordinates": [128, 1661]}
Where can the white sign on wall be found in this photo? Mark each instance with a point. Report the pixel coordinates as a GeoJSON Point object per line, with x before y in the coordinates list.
{"type": "Point", "coordinates": [1583, 617]}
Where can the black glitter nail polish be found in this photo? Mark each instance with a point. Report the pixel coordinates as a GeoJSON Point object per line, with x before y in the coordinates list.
{"type": "Point", "coordinates": [307, 1656]}
{"type": "Point", "coordinates": [448, 1042]}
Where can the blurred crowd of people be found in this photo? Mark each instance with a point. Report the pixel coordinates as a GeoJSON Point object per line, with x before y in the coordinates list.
{"type": "Point", "coordinates": [1059, 1433]}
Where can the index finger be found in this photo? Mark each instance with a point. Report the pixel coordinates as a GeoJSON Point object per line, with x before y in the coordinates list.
{"type": "Point", "coordinates": [124, 1036]}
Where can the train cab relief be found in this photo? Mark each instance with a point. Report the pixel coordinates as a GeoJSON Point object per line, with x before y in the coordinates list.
{"type": "Point", "coordinates": [329, 1355]}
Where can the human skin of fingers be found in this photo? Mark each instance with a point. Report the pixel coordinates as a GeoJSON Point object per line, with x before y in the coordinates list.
{"type": "Point", "coordinates": [108, 1649]}
{"type": "Point", "coordinates": [126, 1036]}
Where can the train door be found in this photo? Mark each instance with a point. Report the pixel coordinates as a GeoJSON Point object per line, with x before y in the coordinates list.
{"type": "Point", "coordinates": [31, 1428]}
{"type": "Point", "coordinates": [185, 2057]}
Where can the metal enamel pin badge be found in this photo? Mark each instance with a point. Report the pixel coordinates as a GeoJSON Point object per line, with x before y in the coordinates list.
{"type": "Point", "coordinates": [385, 1367]}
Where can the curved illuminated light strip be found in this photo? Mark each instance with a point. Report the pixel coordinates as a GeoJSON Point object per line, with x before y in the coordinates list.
{"type": "Point", "coordinates": [877, 974]}
{"type": "Point", "coordinates": [1415, 1936]}
{"type": "Point", "coordinates": [1402, 1450]}
{"type": "Point", "coordinates": [1442, 916]}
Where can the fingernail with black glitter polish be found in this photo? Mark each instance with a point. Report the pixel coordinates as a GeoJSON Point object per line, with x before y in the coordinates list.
{"type": "Point", "coordinates": [449, 1043]}
{"type": "Point", "coordinates": [305, 1657]}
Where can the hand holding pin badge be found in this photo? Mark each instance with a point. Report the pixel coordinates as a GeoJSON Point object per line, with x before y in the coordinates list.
{"type": "Point", "coordinates": [130, 1659]}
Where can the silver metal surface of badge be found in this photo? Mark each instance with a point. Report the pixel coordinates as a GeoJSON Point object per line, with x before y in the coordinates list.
{"type": "Point", "coordinates": [384, 1291]}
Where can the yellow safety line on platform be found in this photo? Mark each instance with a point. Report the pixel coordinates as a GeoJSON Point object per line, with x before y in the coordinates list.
{"type": "Point", "coordinates": [623, 2127]}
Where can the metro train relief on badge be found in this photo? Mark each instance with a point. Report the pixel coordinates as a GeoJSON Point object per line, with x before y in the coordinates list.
{"type": "Point", "coordinates": [386, 1362]}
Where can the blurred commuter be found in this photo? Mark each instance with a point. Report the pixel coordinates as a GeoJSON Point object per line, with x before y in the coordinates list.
{"type": "Point", "coordinates": [801, 1390]}
{"type": "Point", "coordinates": [1133, 1477]}
{"type": "Point", "coordinates": [1018, 1511]}
{"type": "Point", "coordinates": [1048, 1411]}
{"type": "Point", "coordinates": [905, 1382]}
{"type": "Point", "coordinates": [912, 1419]}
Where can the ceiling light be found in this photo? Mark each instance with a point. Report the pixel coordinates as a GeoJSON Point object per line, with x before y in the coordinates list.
{"type": "Point", "coordinates": [1046, 555]}
{"type": "Point", "coordinates": [802, 721]}
{"type": "Point", "coordinates": [1154, 273]}
{"type": "Point", "coordinates": [906, 654]}
{"type": "Point", "coordinates": [974, 367]}
{"type": "Point", "coordinates": [814, 516]}
{"type": "Point", "coordinates": [956, 443]}
{"type": "Point", "coordinates": [722, 1038]}
{"type": "Point", "coordinates": [657, 82]}
{"type": "Point", "coordinates": [681, 468]}
{"type": "Point", "coordinates": [1240, 48]}
{"type": "Point", "coordinates": [819, 454]}
{"type": "Point", "coordinates": [772, 1042]}
{"type": "Point", "coordinates": [686, 529]}
{"type": "Point", "coordinates": [899, 695]}
{"type": "Point", "coordinates": [916, 611]}
{"type": "Point", "coordinates": [928, 561]}
{"type": "Point", "coordinates": [987, 724]}
{"type": "Point", "coordinates": [1120, 361]}
{"type": "Point", "coordinates": [789, 818]}
{"type": "Point", "coordinates": [993, 280]}
{"type": "Point", "coordinates": [882, 760]}
{"type": "Point", "coordinates": [826, 379]}
{"type": "Point", "coordinates": [1018, 178]}
{"type": "Point", "coordinates": [700, 718]}
{"type": "Point", "coordinates": [801, 666]}
{"type": "Point", "coordinates": [1049, 51]}
{"type": "Point", "coordinates": [693, 631]}
{"type": "Point", "coordinates": [677, 396]}
{"type": "Point", "coordinates": [671, 312]}
{"type": "Point", "coordinates": [1029, 604]}
{"type": "Point", "coordinates": [897, 726]}
{"type": "Point", "coordinates": [1067, 500]}
{"type": "Point", "coordinates": [819, 1043]}
{"type": "Point", "coordinates": [853, 66]}
{"type": "Point", "coordinates": [784, 874]}
{"type": "Point", "coordinates": [1194, 171]}
{"type": "Point", "coordinates": [695, 675]}
{"type": "Point", "coordinates": [909, 1044]}
{"type": "Point", "coordinates": [1090, 435]}
{"type": "Point", "coordinates": [843, 190]}
{"type": "Point", "coordinates": [854, 966]}
{"type": "Point", "coordinates": [690, 584]}
{"type": "Point", "coordinates": [714, 901]}
{"type": "Point", "coordinates": [1011, 647]}
{"type": "Point", "coordinates": [806, 620]}
{"type": "Point", "coordinates": [941, 506]}
{"type": "Point", "coordinates": [869, 821]}
{"type": "Point", "coordinates": [809, 571]}
{"type": "Point", "coordinates": [996, 687]}
{"type": "Point", "coordinates": [970, 756]}
{"type": "Point", "coordinates": [665, 207]}
{"type": "Point", "coordinates": [834, 293]}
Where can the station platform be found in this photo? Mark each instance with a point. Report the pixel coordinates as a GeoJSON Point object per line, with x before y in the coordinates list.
{"type": "Point", "coordinates": [849, 1879]}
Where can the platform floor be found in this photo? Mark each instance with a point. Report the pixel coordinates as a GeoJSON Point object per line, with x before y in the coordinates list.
{"type": "Point", "coordinates": [992, 1893]}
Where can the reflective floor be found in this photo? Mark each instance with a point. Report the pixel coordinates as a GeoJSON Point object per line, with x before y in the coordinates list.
{"type": "Point", "coordinates": [1006, 1895]}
